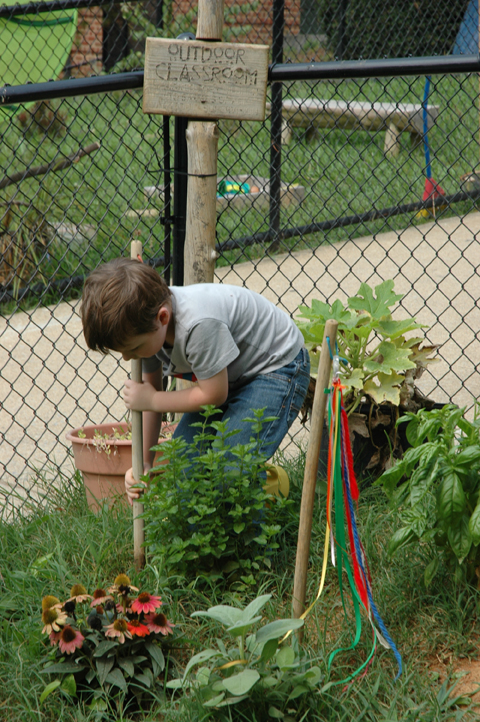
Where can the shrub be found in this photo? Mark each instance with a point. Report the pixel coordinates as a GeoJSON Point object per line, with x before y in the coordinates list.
{"type": "Point", "coordinates": [205, 509]}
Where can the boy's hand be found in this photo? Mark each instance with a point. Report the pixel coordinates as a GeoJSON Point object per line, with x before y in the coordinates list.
{"type": "Point", "coordinates": [133, 494]}
{"type": "Point", "coordinates": [138, 397]}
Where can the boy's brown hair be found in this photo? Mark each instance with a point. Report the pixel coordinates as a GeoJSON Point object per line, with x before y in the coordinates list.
{"type": "Point", "coordinates": [121, 299]}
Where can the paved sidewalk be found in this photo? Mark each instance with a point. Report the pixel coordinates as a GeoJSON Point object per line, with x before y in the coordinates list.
{"type": "Point", "coordinates": [57, 385]}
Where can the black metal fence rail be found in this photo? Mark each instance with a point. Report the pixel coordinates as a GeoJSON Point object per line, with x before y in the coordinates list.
{"type": "Point", "coordinates": [277, 73]}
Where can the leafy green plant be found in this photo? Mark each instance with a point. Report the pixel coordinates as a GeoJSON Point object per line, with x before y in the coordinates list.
{"type": "Point", "coordinates": [438, 500]}
{"type": "Point", "coordinates": [255, 669]}
{"type": "Point", "coordinates": [382, 364]}
{"type": "Point", "coordinates": [205, 507]}
{"type": "Point", "coordinates": [107, 647]}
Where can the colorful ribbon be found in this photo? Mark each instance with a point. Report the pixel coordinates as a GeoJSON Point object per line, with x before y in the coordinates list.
{"type": "Point", "coordinates": [342, 496]}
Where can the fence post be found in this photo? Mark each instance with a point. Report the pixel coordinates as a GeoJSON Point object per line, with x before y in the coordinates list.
{"type": "Point", "coordinates": [276, 127]}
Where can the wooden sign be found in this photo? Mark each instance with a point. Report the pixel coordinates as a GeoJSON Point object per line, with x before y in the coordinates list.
{"type": "Point", "coordinates": [198, 79]}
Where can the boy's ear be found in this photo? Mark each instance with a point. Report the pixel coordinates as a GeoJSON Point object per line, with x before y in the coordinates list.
{"type": "Point", "coordinates": [163, 315]}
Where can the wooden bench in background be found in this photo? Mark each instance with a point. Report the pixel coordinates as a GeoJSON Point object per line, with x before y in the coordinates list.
{"type": "Point", "coordinates": [394, 118]}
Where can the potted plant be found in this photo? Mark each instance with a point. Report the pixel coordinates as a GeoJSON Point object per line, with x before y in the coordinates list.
{"type": "Point", "coordinates": [103, 453]}
{"type": "Point", "coordinates": [381, 361]}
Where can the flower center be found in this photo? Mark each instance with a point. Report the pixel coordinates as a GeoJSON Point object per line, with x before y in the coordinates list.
{"type": "Point", "coordinates": [68, 634]}
{"type": "Point", "coordinates": [49, 601]}
{"type": "Point", "coordinates": [144, 597]}
{"type": "Point", "coordinates": [49, 616]}
{"type": "Point", "coordinates": [160, 620]}
{"type": "Point", "coordinates": [122, 581]}
{"type": "Point", "coordinates": [120, 625]}
{"type": "Point", "coordinates": [99, 593]}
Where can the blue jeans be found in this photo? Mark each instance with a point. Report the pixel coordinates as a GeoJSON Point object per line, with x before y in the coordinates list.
{"type": "Point", "coordinates": [281, 393]}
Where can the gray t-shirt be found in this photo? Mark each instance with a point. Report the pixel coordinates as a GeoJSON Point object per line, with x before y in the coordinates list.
{"type": "Point", "coordinates": [219, 326]}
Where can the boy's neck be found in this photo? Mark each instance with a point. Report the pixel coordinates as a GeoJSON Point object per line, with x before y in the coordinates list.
{"type": "Point", "coordinates": [170, 335]}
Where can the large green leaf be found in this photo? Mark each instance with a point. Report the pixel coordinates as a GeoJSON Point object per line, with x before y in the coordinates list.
{"type": "Point", "coordinates": [202, 656]}
{"type": "Point", "coordinates": [277, 629]}
{"type": "Point", "coordinates": [430, 571]}
{"type": "Point", "coordinates": [157, 656]}
{"type": "Point", "coordinates": [63, 668]}
{"type": "Point", "coordinates": [117, 679]}
{"type": "Point", "coordinates": [354, 380]}
{"type": "Point", "coordinates": [242, 626]}
{"type": "Point", "coordinates": [451, 498]}
{"type": "Point", "coordinates": [69, 686]}
{"type": "Point", "coordinates": [377, 306]}
{"type": "Point", "coordinates": [103, 668]}
{"type": "Point", "coordinates": [103, 648]}
{"type": "Point", "coordinates": [470, 455]}
{"type": "Point", "coordinates": [389, 358]}
{"type": "Point", "coordinates": [474, 524]}
{"type": "Point", "coordinates": [221, 613]}
{"type": "Point", "coordinates": [252, 609]}
{"type": "Point", "coordinates": [49, 689]}
{"type": "Point", "coordinates": [393, 329]}
{"type": "Point", "coordinates": [460, 538]}
{"type": "Point", "coordinates": [388, 391]}
{"type": "Point", "coordinates": [400, 538]}
{"type": "Point", "coordinates": [241, 683]}
{"type": "Point", "coordinates": [285, 657]}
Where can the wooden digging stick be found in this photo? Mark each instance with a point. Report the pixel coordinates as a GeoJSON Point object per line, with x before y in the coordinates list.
{"type": "Point", "coordinates": [137, 451]}
{"type": "Point", "coordinates": [311, 469]}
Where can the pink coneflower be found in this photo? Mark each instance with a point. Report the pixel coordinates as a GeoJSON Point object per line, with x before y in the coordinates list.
{"type": "Point", "coordinates": [54, 637]}
{"type": "Point", "coordinates": [159, 623]}
{"type": "Point", "coordinates": [137, 629]}
{"type": "Point", "coordinates": [70, 640]}
{"type": "Point", "coordinates": [53, 619]}
{"type": "Point", "coordinates": [118, 629]}
{"type": "Point", "coordinates": [78, 594]}
{"type": "Point", "coordinates": [145, 603]}
{"type": "Point", "coordinates": [100, 596]}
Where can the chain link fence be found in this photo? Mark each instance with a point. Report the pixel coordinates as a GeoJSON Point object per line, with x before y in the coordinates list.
{"type": "Point", "coordinates": [335, 187]}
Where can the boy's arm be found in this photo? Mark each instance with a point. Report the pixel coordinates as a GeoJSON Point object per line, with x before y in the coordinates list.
{"type": "Point", "coordinates": [144, 397]}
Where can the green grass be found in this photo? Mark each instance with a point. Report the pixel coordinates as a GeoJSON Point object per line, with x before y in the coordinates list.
{"type": "Point", "coordinates": [61, 542]}
{"type": "Point", "coordinates": [343, 172]}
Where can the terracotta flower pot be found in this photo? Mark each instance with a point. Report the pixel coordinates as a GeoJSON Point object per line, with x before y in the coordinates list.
{"type": "Point", "coordinates": [104, 461]}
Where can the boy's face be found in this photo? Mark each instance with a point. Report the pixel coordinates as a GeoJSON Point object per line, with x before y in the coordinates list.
{"type": "Point", "coordinates": [147, 344]}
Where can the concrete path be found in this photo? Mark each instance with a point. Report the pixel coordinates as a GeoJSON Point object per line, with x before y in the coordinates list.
{"type": "Point", "coordinates": [49, 383]}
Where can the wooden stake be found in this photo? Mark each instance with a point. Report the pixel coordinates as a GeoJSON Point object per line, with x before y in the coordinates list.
{"type": "Point", "coordinates": [311, 469]}
{"type": "Point", "coordinates": [137, 451]}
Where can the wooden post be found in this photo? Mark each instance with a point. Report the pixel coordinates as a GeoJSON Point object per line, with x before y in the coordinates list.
{"type": "Point", "coordinates": [311, 469]}
{"type": "Point", "coordinates": [200, 254]}
{"type": "Point", "coordinates": [210, 20]}
{"type": "Point", "coordinates": [137, 451]}
{"type": "Point", "coordinates": [202, 144]}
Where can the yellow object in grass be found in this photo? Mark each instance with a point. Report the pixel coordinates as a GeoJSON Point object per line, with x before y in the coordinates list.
{"type": "Point", "coordinates": [278, 483]}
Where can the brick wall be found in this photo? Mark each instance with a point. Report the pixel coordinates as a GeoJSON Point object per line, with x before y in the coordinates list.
{"type": "Point", "coordinates": [86, 52]}
{"type": "Point", "coordinates": [87, 45]}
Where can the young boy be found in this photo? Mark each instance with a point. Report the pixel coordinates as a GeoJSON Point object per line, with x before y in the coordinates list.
{"type": "Point", "coordinates": [242, 351]}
